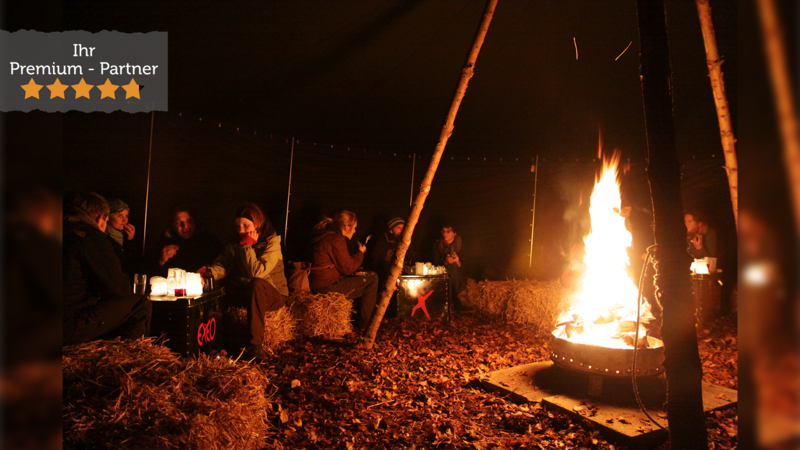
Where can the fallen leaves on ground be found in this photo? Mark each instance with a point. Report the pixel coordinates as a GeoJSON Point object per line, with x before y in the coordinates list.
{"type": "Point", "coordinates": [418, 388]}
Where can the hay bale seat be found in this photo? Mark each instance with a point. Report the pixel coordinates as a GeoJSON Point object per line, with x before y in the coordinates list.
{"type": "Point", "coordinates": [311, 315]}
{"type": "Point", "coordinates": [136, 394]}
{"type": "Point", "coordinates": [531, 302]}
{"type": "Point", "coordinates": [279, 328]}
{"type": "Point", "coordinates": [326, 315]}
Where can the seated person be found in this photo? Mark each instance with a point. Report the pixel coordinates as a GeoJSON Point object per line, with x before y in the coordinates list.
{"type": "Point", "coordinates": [445, 253]}
{"type": "Point", "coordinates": [701, 239]}
{"type": "Point", "coordinates": [385, 247]}
{"type": "Point", "coordinates": [121, 234]}
{"type": "Point", "coordinates": [332, 263]}
{"type": "Point", "coordinates": [98, 296]}
{"type": "Point", "coordinates": [253, 266]}
{"type": "Point", "coordinates": [184, 244]}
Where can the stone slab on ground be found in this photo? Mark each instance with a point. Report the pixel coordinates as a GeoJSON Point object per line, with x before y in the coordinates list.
{"type": "Point", "coordinates": [614, 411]}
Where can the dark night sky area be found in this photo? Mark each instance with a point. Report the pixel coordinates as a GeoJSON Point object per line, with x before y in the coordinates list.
{"type": "Point", "coordinates": [381, 75]}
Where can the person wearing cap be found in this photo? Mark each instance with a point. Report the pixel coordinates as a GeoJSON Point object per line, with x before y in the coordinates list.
{"type": "Point", "coordinates": [385, 248]}
{"type": "Point", "coordinates": [121, 233]}
{"type": "Point", "coordinates": [252, 266]}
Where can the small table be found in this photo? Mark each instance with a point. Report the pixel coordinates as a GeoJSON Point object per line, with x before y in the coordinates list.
{"type": "Point", "coordinates": [424, 297]}
{"type": "Point", "coordinates": [191, 325]}
{"type": "Point", "coordinates": [707, 295]}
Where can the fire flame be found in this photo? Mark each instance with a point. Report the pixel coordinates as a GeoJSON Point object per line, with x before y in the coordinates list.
{"type": "Point", "coordinates": [603, 310]}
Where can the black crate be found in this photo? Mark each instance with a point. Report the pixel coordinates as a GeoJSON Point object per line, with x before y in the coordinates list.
{"type": "Point", "coordinates": [190, 325]}
{"type": "Point", "coordinates": [417, 294]}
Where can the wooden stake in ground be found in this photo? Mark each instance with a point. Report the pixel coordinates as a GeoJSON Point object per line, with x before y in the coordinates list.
{"type": "Point", "coordinates": [425, 187]}
{"type": "Point", "coordinates": [721, 100]}
{"type": "Point", "coordinates": [784, 97]}
{"type": "Point", "coordinates": [687, 426]}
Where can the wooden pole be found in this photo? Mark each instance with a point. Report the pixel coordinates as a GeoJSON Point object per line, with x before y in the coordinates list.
{"type": "Point", "coordinates": [784, 98]}
{"type": "Point", "coordinates": [288, 195]}
{"type": "Point", "coordinates": [425, 187]}
{"type": "Point", "coordinates": [533, 209]}
{"type": "Point", "coordinates": [413, 168]}
{"type": "Point", "coordinates": [721, 100]}
{"type": "Point", "coordinates": [687, 426]}
{"type": "Point", "coordinates": [147, 190]}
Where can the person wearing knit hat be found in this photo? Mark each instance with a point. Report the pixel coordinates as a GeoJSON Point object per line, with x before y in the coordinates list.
{"type": "Point", "coordinates": [385, 248]}
{"type": "Point", "coordinates": [121, 234]}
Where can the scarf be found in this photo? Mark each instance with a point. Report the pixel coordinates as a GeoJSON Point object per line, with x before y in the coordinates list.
{"type": "Point", "coordinates": [114, 234]}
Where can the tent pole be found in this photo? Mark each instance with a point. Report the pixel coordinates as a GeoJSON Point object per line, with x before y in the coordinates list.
{"type": "Point", "coordinates": [288, 195]}
{"type": "Point", "coordinates": [413, 167]}
{"type": "Point", "coordinates": [147, 190]}
{"type": "Point", "coordinates": [533, 210]}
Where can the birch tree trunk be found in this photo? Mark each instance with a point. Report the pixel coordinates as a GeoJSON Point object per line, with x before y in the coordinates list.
{"type": "Point", "coordinates": [687, 426]}
{"type": "Point", "coordinates": [425, 188]}
{"type": "Point", "coordinates": [721, 100]}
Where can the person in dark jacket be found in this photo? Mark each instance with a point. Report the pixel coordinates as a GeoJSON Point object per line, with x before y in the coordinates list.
{"type": "Point", "coordinates": [253, 267]}
{"type": "Point", "coordinates": [184, 245]}
{"type": "Point", "coordinates": [700, 238]}
{"type": "Point", "coordinates": [332, 264]}
{"type": "Point", "coordinates": [385, 247]}
{"type": "Point", "coordinates": [121, 234]}
{"type": "Point", "coordinates": [446, 253]}
{"type": "Point", "coordinates": [98, 298]}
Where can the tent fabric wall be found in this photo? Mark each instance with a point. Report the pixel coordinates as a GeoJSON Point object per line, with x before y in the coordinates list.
{"type": "Point", "coordinates": [216, 168]}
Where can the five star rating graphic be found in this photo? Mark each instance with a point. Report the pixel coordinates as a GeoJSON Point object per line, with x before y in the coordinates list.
{"type": "Point", "coordinates": [82, 89]}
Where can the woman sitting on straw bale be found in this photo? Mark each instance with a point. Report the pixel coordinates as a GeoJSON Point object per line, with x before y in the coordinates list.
{"type": "Point", "coordinates": [253, 267]}
{"type": "Point", "coordinates": [332, 263]}
{"type": "Point", "coordinates": [445, 253]}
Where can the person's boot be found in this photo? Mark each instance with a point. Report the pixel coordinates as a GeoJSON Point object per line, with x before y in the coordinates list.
{"type": "Point", "coordinates": [256, 352]}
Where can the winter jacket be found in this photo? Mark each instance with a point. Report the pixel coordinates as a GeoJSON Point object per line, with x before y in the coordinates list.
{"type": "Point", "coordinates": [198, 251]}
{"type": "Point", "coordinates": [332, 260]}
{"type": "Point", "coordinates": [441, 249]}
{"type": "Point", "coordinates": [127, 254]}
{"type": "Point", "coordinates": [243, 262]}
{"type": "Point", "coordinates": [709, 247]}
{"type": "Point", "coordinates": [92, 273]}
{"type": "Point", "coordinates": [383, 253]}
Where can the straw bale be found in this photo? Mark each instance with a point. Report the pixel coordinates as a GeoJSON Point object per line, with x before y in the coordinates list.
{"type": "Point", "coordinates": [326, 315]}
{"type": "Point", "coordinates": [278, 329]}
{"type": "Point", "coordinates": [489, 297]}
{"type": "Point", "coordinates": [136, 394]}
{"type": "Point", "coordinates": [537, 303]}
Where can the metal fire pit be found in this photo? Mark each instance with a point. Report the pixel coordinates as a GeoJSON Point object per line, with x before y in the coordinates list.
{"type": "Point", "coordinates": [614, 362]}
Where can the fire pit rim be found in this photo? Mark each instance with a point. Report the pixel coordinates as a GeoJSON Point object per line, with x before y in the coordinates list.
{"type": "Point", "coordinates": [606, 361]}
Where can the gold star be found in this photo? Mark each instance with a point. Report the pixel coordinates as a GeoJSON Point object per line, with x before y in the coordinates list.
{"type": "Point", "coordinates": [57, 89]}
{"type": "Point", "coordinates": [31, 89]}
{"type": "Point", "coordinates": [107, 89]}
{"type": "Point", "coordinates": [82, 89]}
{"type": "Point", "coordinates": [131, 89]}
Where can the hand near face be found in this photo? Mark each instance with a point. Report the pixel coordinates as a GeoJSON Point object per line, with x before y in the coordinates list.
{"type": "Point", "coordinates": [697, 241]}
{"type": "Point", "coordinates": [129, 231]}
{"type": "Point", "coordinates": [249, 238]}
{"type": "Point", "coordinates": [167, 252]}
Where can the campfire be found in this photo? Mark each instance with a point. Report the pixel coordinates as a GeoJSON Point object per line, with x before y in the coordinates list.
{"type": "Point", "coordinates": [597, 332]}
